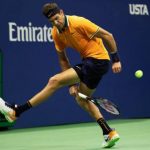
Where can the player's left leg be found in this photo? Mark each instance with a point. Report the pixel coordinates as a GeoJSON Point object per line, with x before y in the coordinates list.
{"type": "Point", "coordinates": [59, 80]}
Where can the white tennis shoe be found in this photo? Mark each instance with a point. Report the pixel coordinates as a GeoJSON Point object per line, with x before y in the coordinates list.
{"type": "Point", "coordinates": [110, 139]}
{"type": "Point", "coordinates": [7, 111]}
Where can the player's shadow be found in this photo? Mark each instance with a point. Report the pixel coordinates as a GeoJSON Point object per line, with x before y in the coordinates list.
{"type": "Point", "coordinates": [98, 148]}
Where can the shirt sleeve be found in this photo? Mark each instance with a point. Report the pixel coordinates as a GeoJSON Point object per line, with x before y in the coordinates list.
{"type": "Point", "coordinates": [88, 27]}
{"type": "Point", "coordinates": [59, 44]}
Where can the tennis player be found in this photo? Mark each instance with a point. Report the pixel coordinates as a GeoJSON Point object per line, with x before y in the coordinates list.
{"type": "Point", "coordinates": [87, 39]}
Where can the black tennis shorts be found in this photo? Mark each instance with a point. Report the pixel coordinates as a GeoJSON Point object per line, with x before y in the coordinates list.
{"type": "Point", "coordinates": [91, 71]}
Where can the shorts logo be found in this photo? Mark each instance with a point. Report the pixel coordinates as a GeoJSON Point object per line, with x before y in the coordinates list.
{"type": "Point", "coordinates": [138, 9]}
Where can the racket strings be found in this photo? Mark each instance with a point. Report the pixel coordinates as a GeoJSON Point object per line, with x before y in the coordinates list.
{"type": "Point", "coordinates": [107, 105]}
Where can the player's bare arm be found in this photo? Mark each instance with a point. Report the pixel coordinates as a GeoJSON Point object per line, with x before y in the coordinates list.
{"type": "Point", "coordinates": [110, 43]}
{"type": "Point", "coordinates": [65, 64]}
{"type": "Point", "coordinates": [63, 60]}
{"type": "Point", "coordinates": [107, 38]}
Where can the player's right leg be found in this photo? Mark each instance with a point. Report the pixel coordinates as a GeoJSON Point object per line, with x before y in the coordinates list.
{"type": "Point", "coordinates": [65, 78]}
{"type": "Point", "coordinates": [110, 135]}
{"type": "Point", "coordinates": [110, 139]}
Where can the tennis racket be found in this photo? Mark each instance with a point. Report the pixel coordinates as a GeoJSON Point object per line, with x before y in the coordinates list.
{"type": "Point", "coordinates": [103, 103]}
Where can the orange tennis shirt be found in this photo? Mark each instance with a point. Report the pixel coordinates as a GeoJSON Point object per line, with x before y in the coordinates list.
{"type": "Point", "coordinates": [79, 35]}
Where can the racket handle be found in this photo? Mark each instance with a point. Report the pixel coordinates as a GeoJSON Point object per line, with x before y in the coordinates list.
{"type": "Point", "coordinates": [82, 96]}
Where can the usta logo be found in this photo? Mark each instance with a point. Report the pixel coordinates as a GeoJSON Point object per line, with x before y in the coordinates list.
{"type": "Point", "coordinates": [138, 9]}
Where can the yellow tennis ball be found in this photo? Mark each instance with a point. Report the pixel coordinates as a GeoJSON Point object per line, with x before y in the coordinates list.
{"type": "Point", "coordinates": [139, 74]}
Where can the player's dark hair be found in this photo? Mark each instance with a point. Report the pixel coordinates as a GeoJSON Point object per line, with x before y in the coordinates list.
{"type": "Point", "coordinates": [50, 9]}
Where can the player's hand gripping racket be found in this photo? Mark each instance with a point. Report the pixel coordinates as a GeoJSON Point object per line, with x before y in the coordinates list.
{"type": "Point", "coordinates": [103, 103]}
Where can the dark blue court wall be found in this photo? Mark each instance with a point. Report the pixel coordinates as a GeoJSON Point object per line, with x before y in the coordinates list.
{"type": "Point", "coordinates": [30, 59]}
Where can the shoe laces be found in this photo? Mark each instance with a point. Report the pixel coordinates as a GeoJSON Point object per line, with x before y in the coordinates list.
{"type": "Point", "coordinates": [106, 137]}
{"type": "Point", "coordinates": [11, 106]}
{"type": "Point", "coordinates": [8, 105]}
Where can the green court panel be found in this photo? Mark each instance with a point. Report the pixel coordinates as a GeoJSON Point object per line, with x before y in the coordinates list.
{"type": "Point", "coordinates": [85, 136]}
